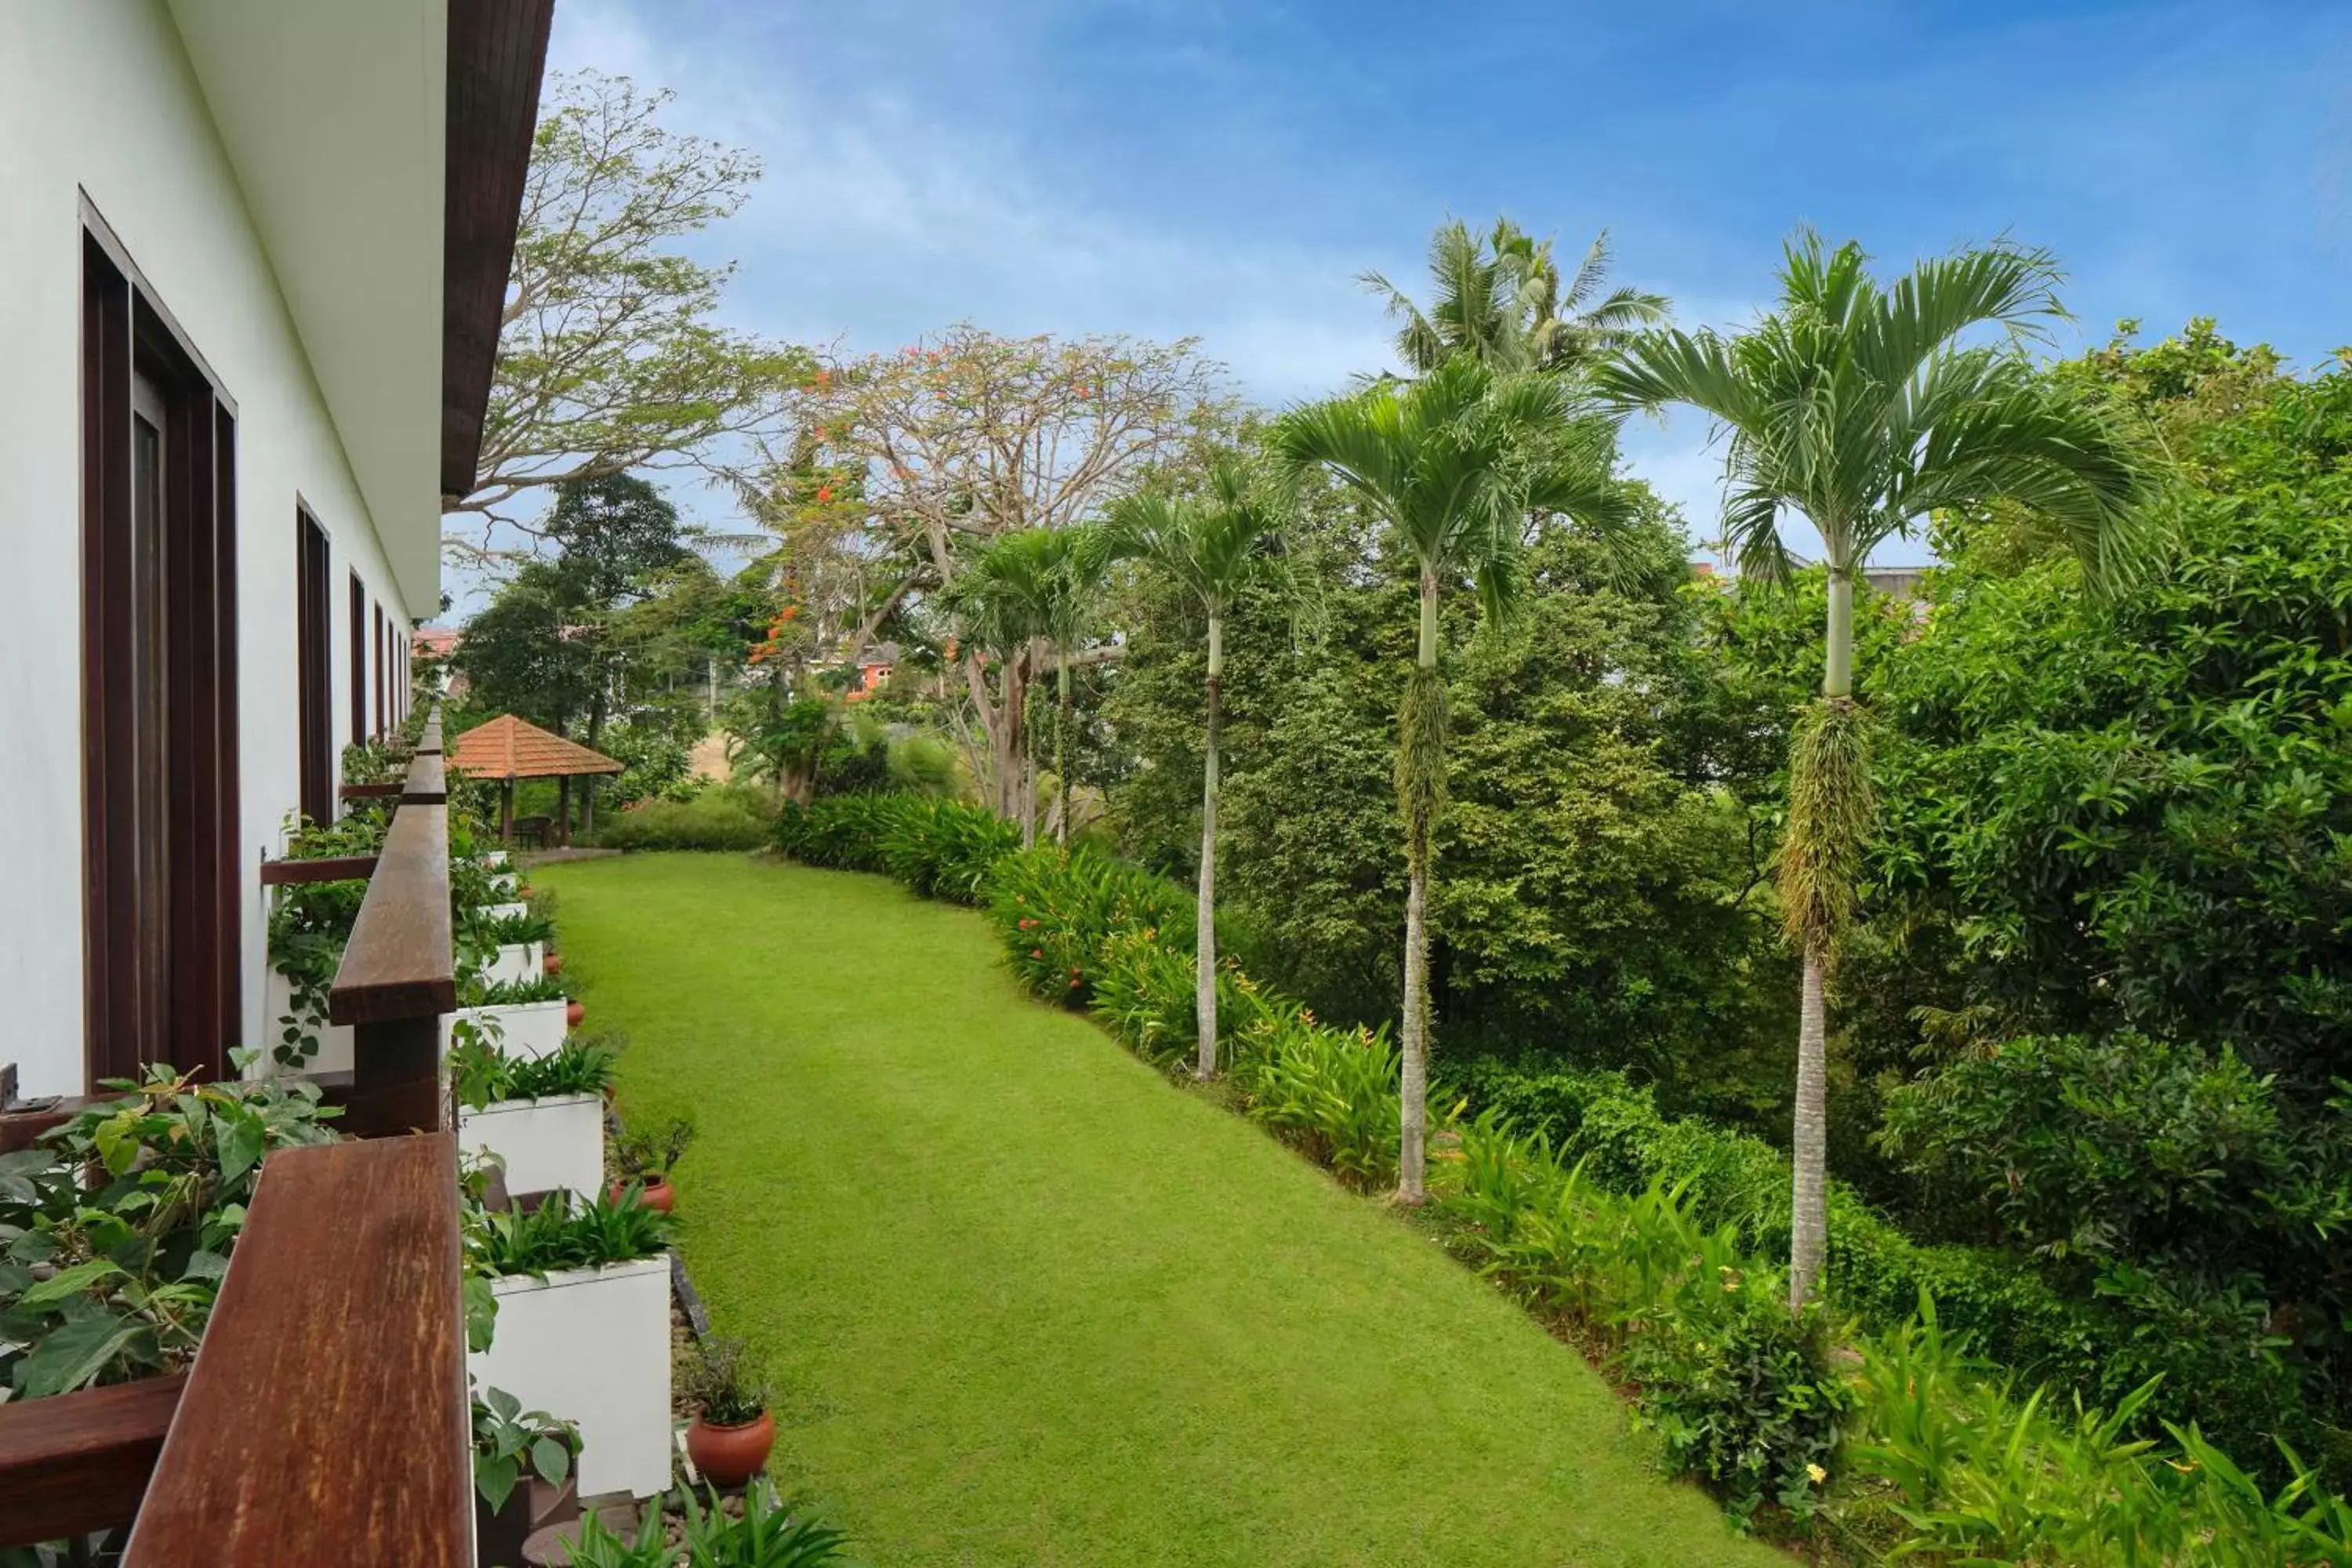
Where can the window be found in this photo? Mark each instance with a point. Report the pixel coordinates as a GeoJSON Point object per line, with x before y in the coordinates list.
{"type": "Point", "coordinates": [359, 661]}
{"type": "Point", "coordinates": [314, 674]}
{"type": "Point", "coordinates": [161, 861]}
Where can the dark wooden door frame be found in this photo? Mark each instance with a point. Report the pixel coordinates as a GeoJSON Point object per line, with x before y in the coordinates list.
{"type": "Point", "coordinates": [314, 655]}
{"type": "Point", "coordinates": [174, 997]}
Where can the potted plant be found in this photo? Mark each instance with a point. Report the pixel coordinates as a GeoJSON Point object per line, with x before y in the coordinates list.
{"type": "Point", "coordinates": [510, 1446]}
{"type": "Point", "coordinates": [575, 1013]}
{"type": "Point", "coordinates": [532, 1017]}
{"type": "Point", "coordinates": [582, 1326]}
{"type": "Point", "coordinates": [646, 1158]}
{"type": "Point", "coordinates": [732, 1429]}
{"type": "Point", "coordinates": [543, 1117]}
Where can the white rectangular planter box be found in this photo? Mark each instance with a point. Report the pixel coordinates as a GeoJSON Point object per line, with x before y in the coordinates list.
{"type": "Point", "coordinates": [525, 1028]}
{"type": "Point", "coordinates": [334, 1040]}
{"type": "Point", "coordinates": [504, 911]}
{"type": "Point", "coordinates": [545, 1143]}
{"type": "Point", "coordinates": [517, 963]}
{"type": "Point", "coordinates": [592, 1345]}
{"type": "Point", "coordinates": [506, 882]}
{"type": "Point", "coordinates": [494, 858]}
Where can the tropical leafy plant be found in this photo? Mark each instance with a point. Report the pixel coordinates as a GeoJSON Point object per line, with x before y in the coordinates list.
{"type": "Point", "coordinates": [117, 1227]}
{"type": "Point", "coordinates": [770, 1533]}
{"type": "Point", "coordinates": [507, 1438]}
{"type": "Point", "coordinates": [557, 1235]}
{"type": "Point", "coordinates": [655, 1147]}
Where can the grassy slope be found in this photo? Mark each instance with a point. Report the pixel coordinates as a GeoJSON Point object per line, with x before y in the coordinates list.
{"type": "Point", "coordinates": [1028, 1303]}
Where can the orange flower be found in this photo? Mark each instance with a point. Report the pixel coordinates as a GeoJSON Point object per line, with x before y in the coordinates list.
{"type": "Point", "coordinates": [825, 492]}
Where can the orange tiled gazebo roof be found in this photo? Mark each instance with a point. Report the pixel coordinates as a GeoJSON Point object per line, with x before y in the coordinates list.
{"type": "Point", "coordinates": [506, 748]}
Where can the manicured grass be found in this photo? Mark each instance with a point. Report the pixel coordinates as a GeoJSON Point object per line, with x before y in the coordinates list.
{"type": "Point", "coordinates": [1029, 1303]}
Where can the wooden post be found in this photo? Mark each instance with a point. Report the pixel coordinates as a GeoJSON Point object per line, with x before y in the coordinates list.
{"type": "Point", "coordinates": [588, 803]}
{"type": "Point", "coordinates": [506, 810]}
{"type": "Point", "coordinates": [563, 809]}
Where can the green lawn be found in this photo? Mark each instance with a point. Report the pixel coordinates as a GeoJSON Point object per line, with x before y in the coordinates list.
{"type": "Point", "coordinates": [1026, 1302]}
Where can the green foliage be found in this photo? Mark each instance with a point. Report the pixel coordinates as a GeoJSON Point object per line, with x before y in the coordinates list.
{"type": "Point", "coordinates": [721, 1381]}
{"type": "Point", "coordinates": [720, 818]}
{"type": "Point", "coordinates": [1057, 911]}
{"type": "Point", "coordinates": [481, 1075]}
{"type": "Point", "coordinates": [1740, 1389]}
{"type": "Point", "coordinates": [117, 1227]}
{"type": "Point", "coordinates": [653, 1149]}
{"type": "Point", "coordinates": [507, 1438]}
{"type": "Point", "coordinates": [308, 923]}
{"type": "Point", "coordinates": [558, 1236]}
{"type": "Point", "coordinates": [770, 1533]}
{"type": "Point", "coordinates": [476, 992]}
{"type": "Point", "coordinates": [1329, 1092]}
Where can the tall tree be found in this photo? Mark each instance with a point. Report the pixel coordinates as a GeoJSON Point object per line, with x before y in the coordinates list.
{"type": "Point", "coordinates": [1033, 591]}
{"type": "Point", "coordinates": [611, 356]}
{"type": "Point", "coordinates": [1452, 463]}
{"type": "Point", "coordinates": [1499, 298]}
{"type": "Point", "coordinates": [1863, 408]}
{"type": "Point", "coordinates": [1216, 545]}
{"type": "Point", "coordinates": [616, 536]}
{"type": "Point", "coordinates": [914, 462]}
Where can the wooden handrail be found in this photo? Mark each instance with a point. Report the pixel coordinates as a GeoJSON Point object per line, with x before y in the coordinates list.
{"type": "Point", "coordinates": [391, 791]}
{"type": "Point", "coordinates": [399, 975]}
{"type": "Point", "coordinates": [75, 1463]}
{"type": "Point", "coordinates": [328, 868]}
{"type": "Point", "coordinates": [428, 740]}
{"type": "Point", "coordinates": [428, 782]}
{"type": "Point", "coordinates": [326, 1417]}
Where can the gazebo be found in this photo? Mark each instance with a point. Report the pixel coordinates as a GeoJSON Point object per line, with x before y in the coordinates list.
{"type": "Point", "coordinates": [507, 749]}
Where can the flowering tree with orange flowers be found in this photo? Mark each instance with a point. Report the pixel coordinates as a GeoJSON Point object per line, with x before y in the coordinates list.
{"type": "Point", "coordinates": [906, 465]}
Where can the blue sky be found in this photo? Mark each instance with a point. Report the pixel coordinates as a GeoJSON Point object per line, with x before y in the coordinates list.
{"type": "Point", "coordinates": [1196, 168]}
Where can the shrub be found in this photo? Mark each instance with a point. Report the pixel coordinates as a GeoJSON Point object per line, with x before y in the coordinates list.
{"type": "Point", "coordinates": [2213, 1363]}
{"type": "Point", "coordinates": [1330, 1092]}
{"type": "Point", "coordinates": [555, 1235]}
{"type": "Point", "coordinates": [1740, 1390]}
{"type": "Point", "coordinates": [1057, 913]}
{"type": "Point", "coordinates": [725, 817]}
{"type": "Point", "coordinates": [944, 848]}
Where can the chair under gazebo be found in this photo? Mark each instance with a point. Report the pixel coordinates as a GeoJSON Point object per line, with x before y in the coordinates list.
{"type": "Point", "coordinates": [507, 749]}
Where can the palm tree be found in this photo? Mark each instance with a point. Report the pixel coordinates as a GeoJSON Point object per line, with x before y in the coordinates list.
{"type": "Point", "coordinates": [1216, 545]}
{"type": "Point", "coordinates": [1452, 463]}
{"type": "Point", "coordinates": [1038, 586]}
{"type": "Point", "coordinates": [1499, 299]}
{"type": "Point", "coordinates": [1863, 408]}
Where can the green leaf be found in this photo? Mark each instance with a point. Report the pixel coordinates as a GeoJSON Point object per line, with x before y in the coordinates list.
{"type": "Point", "coordinates": [552, 1459]}
{"type": "Point", "coordinates": [494, 1477]}
{"type": "Point", "coordinates": [241, 1144]}
{"type": "Point", "coordinates": [73, 1356]}
{"type": "Point", "coordinates": [73, 1281]}
{"type": "Point", "coordinates": [202, 1265]}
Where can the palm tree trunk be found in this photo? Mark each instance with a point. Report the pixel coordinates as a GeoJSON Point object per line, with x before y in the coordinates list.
{"type": "Point", "coordinates": [1421, 764]}
{"type": "Point", "coordinates": [1204, 946]}
{"type": "Point", "coordinates": [1060, 749]}
{"type": "Point", "coordinates": [1809, 1221]}
{"type": "Point", "coordinates": [1809, 1218]}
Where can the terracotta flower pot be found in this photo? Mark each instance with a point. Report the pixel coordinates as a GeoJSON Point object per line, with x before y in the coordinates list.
{"type": "Point", "coordinates": [573, 1013]}
{"type": "Point", "coordinates": [730, 1456]}
{"type": "Point", "coordinates": [657, 1193]}
{"type": "Point", "coordinates": [551, 964]}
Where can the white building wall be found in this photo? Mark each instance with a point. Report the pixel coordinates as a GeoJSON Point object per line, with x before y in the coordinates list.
{"type": "Point", "coordinates": [97, 97]}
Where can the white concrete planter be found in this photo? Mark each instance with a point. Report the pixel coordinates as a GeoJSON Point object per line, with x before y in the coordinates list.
{"type": "Point", "coordinates": [505, 911]}
{"type": "Point", "coordinates": [334, 1040]}
{"type": "Point", "coordinates": [524, 1029]}
{"type": "Point", "coordinates": [494, 858]}
{"type": "Point", "coordinates": [545, 1143]}
{"type": "Point", "coordinates": [506, 882]}
{"type": "Point", "coordinates": [592, 1345]}
{"type": "Point", "coordinates": [517, 963]}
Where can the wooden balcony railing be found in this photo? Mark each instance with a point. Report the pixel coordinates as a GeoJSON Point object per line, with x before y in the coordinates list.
{"type": "Point", "coordinates": [325, 1418]}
